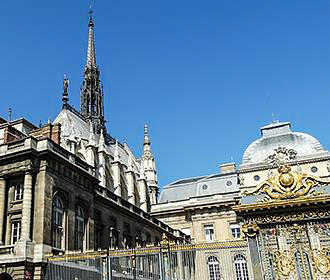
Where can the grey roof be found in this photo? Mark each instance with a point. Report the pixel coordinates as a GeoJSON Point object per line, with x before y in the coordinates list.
{"type": "Point", "coordinates": [187, 180]}
{"type": "Point", "coordinates": [199, 187]}
{"type": "Point", "coordinates": [72, 124]}
{"type": "Point", "coordinates": [280, 135]}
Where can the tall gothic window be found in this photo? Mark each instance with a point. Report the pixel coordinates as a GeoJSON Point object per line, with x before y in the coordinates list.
{"type": "Point", "coordinates": [214, 268]}
{"type": "Point", "coordinates": [80, 228]}
{"type": "Point", "coordinates": [241, 267]}
{"type": "Point", "coordinates": [58, 223]}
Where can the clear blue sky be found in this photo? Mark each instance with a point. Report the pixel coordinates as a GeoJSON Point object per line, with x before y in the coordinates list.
{"type": "Point", "coordinates": [205, 75]}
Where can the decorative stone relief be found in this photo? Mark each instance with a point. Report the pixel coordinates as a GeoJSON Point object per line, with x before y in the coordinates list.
{"type": "Point", "coordinates": [281, 155]}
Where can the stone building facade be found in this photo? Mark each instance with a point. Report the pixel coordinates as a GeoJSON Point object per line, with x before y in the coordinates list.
{"type": "Point", "coordinates": [285, 205]}
{"type": "Point", "coordinates": [202, 206]}
{"type": "Point", "coordinates": [70, 186]}
{"type": "Point", "coordinates": [278, 200]}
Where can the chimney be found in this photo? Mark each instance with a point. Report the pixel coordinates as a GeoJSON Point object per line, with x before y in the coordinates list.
{"type": "Point", "coordinates": [50, 131]}
{"type": "Point", "coordinates": [227, 168]}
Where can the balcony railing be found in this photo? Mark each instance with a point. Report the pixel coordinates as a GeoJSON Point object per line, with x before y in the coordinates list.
{"type": "Point", "coordinates": [7, 250]}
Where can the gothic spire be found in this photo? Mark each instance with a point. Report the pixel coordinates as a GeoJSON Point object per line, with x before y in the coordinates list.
{"type": "Point", "coordinates": [92, 97]}
{"type": "Point", "coordinates": [146, 135]}
{"type": "Point", "coordinates": [148, 161]}
{"type": "Point", "coordinates": [91, 57]}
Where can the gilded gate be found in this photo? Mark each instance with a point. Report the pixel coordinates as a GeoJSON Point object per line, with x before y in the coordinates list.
{"type": "Point", "coordinates": [214, 260]}
{"type": "Point", "coordinates": [287, 223]}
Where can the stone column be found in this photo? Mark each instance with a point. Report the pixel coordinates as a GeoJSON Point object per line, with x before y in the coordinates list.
{"type": "Point", "coordinates": [11, 192]}
{"type": "Point", "coordinates": [255, 259]}
{"type": "Point", "coordinates": [27, 207]}
{"type": "Point", "coordinates": [2, 207]}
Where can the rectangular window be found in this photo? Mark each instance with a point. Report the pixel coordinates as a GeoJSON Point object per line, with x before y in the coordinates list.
{"type": "Point", "coordinates": [15, 231]}
{"type": "Point", "coordinates": [18, 192]}
{"type": "Point", "coordinates": [209, 232]}
{"type": "Point", "coordinates": [235, 231]}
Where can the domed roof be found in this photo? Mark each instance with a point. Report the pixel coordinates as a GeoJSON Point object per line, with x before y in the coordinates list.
{"type": "Point", "coordinates": [279, 135]}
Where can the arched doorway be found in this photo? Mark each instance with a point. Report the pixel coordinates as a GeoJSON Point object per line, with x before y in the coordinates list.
{"type": "Point", "coordinates": [5, 276]}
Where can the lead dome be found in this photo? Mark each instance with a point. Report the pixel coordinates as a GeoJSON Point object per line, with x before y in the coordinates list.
{"type": "Point", "coordinates": [277, 135]}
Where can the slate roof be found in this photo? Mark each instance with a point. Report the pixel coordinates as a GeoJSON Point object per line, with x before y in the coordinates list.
{"type": "Point", "coordinates": [202, 186]}
{"type": "Point", "coordinates": [280, 135]}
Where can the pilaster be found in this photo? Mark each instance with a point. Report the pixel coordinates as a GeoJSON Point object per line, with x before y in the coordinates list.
{"type": "Point", "coordinates": [10, 196]}
{"type": "Point", "coordinates": [27, 207]}
{"type": "Point", "coordinates": [2, 208]}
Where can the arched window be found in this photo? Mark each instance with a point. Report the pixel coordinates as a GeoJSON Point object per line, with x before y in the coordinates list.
{"type": "Point", "coordinates": [58, 223]}
{"type": "Point", "coordinates": [214, 268]}
{"type": "Point", "coordinates": [80, 228]}
{"type": "Point", "coordinates": [241, 267]}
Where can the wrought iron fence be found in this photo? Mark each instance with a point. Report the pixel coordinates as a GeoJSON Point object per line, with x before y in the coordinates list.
{"type": "Point", "coordinates": [214, 261]}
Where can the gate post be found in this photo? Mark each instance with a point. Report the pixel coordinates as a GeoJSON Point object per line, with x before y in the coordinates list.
{"type": "Point", "coordinates": [165, 258]}
{"type": "Point", "coordinates": [109, 272]}
{"type": "Point", "coordinates": [251, 231]}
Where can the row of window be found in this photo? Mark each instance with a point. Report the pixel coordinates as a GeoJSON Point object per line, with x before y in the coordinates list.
{"type": "Point", "coordinates": [210, 234]}
{"type": "Point", "coordinates": [240, 264]}
{"type": "Point", "coordinates": [58, 225]}
{"type": "Point", "coordinates": [58, 229]}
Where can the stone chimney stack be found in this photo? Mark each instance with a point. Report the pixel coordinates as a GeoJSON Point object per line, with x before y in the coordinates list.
{"type": "Point", "coordinates": [227, 168]}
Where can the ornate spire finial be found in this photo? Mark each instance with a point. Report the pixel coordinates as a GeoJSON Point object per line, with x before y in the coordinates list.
{"type": "Point", "coordinates": [146, 134]}
{"type": "Point", "coordinates": [65, 97]}
{"type": "Point", "coordinates": [9, 115]}
{"type": "Point", "coordinates": [91, 57]}
{"type": "Point", "coordinates": [90, 8]}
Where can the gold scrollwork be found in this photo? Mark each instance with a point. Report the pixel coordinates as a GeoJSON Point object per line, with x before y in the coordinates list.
{"type": "Point", "coordinates": [165, 241]}
{"type": "Point", "coordinates": [287, 184]}
{"type": "Point", "coordinates": [250, 230]}
{"type": "Point", "coordinates": [321, 261]}
{"type": "Point", "coordinates": [284, 264]}
{"type": "Point", "coordinates": [292, 217]}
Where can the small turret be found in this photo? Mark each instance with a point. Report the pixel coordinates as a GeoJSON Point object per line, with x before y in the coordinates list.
{"type": "Point", "coordinates": [148, 162]}
{"type": "Point", "coordinates": [65, 97]}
